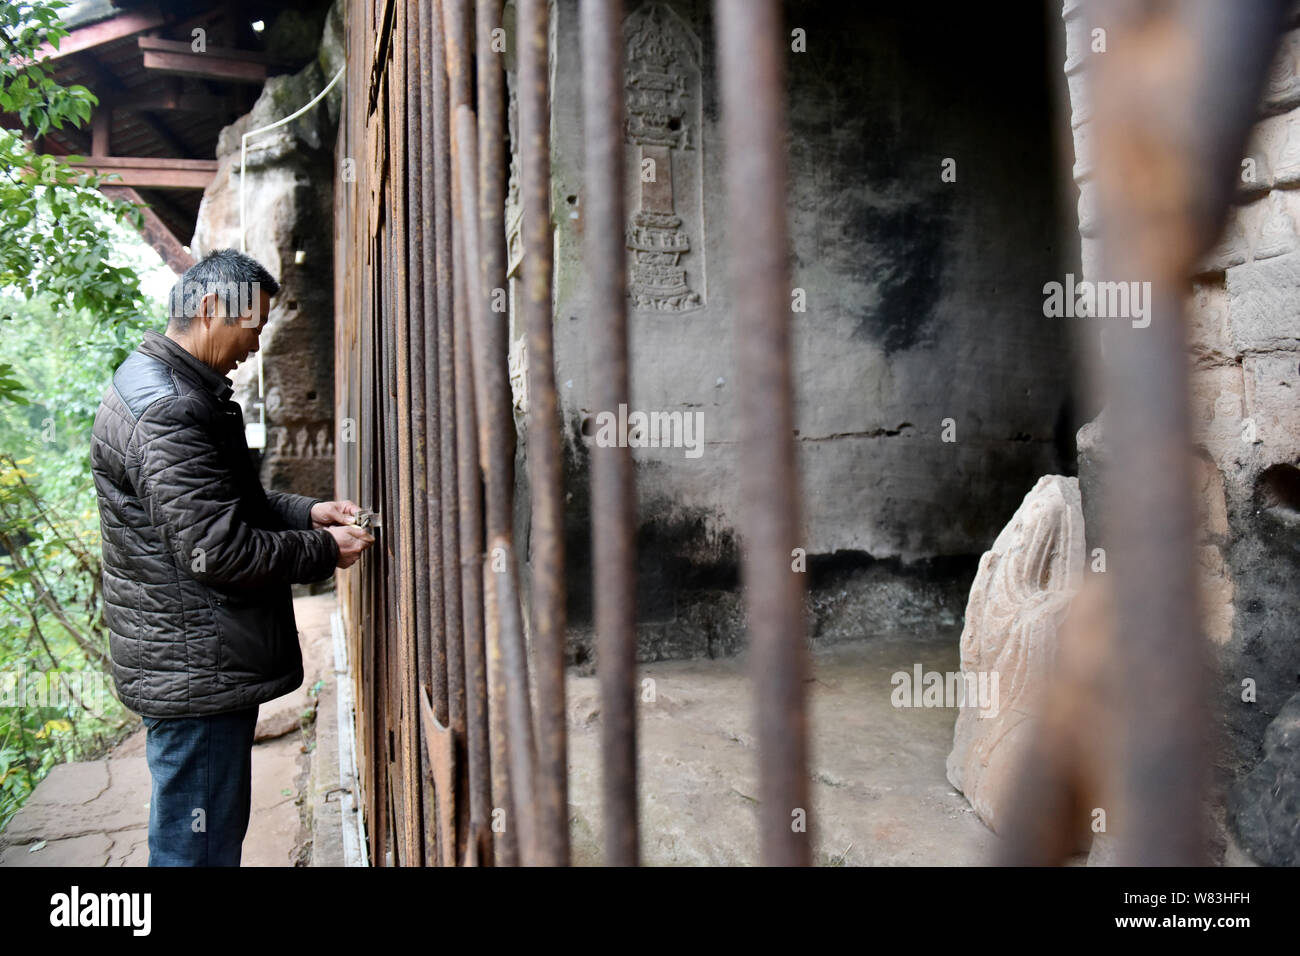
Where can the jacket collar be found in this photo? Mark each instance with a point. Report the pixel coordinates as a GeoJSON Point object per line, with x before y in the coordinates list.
{"type": "Point", "coordinates": [172, 353]}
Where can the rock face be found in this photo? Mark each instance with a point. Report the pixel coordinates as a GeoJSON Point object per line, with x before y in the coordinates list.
{"type": "Point", "coordinates": [1020, 598]}
{"type": "Point", "coordinates": [1264, 809]}
{"type": "Point", "coordinates": [930, 390]}
{"type": "Point", "coordinates": [1244, 346]}
{"type": "Point", "coordinates": [287, 208]}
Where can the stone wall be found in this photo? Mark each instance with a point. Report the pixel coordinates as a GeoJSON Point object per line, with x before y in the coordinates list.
{"type": "Point", "coordinates": [289, 229]}
{"type": "Point", "coordinates": [917, 306]}
{"type": "Point", "coordinates": [1245, 354]}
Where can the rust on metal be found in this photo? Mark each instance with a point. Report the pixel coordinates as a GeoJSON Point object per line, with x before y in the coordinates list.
{"type": "Point", "coordinates": [613, 510]}
{"type": "Point", "coordinates": [751, 72]}
{"type": "Point", "coordinates": [1167, 145]}
{"type": "Point", "coordinates": [491, 371]}
{"type": "Point", "coordinates": [442, 770]}
{"type": "Point", "coordinates": [547, 558]}
{"type": "Point", "coordinates": [469, 479]}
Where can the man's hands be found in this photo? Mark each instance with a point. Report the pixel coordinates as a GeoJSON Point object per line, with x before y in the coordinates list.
{"type": "Point", "coordinates": [336, 518]}
{"type": "Point", "coordinates": [352, 543]}
{"type": "Point", "coordinates": [327, 513]}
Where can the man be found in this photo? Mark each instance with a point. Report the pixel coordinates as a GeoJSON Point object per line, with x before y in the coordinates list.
{"type": "Point", "coordinates": [198, 559]}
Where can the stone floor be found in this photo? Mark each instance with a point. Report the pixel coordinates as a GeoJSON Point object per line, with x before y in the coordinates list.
{"type": "Point", "coordinates": [96, 813]}
{"type": "Point", "coordinates": [879, 793]}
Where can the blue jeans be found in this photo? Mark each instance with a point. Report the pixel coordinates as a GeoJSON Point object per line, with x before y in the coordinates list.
{"type": "Point", "coordinates": [202, 771]}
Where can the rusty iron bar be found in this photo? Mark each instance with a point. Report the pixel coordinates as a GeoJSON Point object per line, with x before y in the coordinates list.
{"type": "Point", "coordinates": [501, 848]}
{"type": "Point", "coordinates": [430, 253]}
{"type": "Point", "coordinates": [458, 38]}
{"type": "Point", "coordinates": [444, 268]}
{"type": "Point", "coordinates": [393, 630]}
{"type": "Point", "coordinates": [387, 576]}
{"type": "Point", "coordinates": [466, 487]}
{"type": "Point", "coordinates": [434, 677]}
{"type": "Point", "coordinates": [421, 522]}
{"type": "Point", "coordinates": [1175, 97]}
{"type": "Point", "coordinates": [434, 674]}
{"type": "Point", "coordinates": [751, 58]}
{"type": "Point", "coordinates": [521, 747]}
{"type": "Point", "coordinates": [351, 394]}
{"type": "Point", "coordinates": [545, 466]}
{"type": "Point", "coordinates": [613, 508]}
{"type": "Point", "coordinates": [460, 49]}
{"type": "Point", "coordinates": [465, 154]}
{"type": "Point", "coordinates": [415, 335]}
{"type": "Point", "coordinates": [408, 719]}
{"type": "Point", "coordinates": [1149, 492]}
{"type": "Point", "coordinates": [497, 427]}
{"type": "Point", "coordinates": [386, 579]}
{"type": "Point", "coordinates": [518, 729]}
{"type": "Point", "coordinates": [496, 417]}
{"type": "Point", "coordinates": [370, 386]}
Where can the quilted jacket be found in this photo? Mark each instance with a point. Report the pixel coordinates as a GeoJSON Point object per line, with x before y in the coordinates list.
{"type": "Point", "coordinates": [198, 558]}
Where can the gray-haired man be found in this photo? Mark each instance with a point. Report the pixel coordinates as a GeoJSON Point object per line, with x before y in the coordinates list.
{"type": "Point", "coordinates": [199, 558]}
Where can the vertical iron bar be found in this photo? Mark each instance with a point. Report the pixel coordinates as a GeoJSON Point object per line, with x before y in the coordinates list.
{"type": "Point", "coordinates": [436, 674]}
{"type": "Point", "coordinates": [419, 424]}
{"type": "Point", "coordinates": [457, 37]}
{"type": "Point", "coordinates": [496, 417]}
{"type": "Point", "coordinates": [408, 714]}
{"type": "Point", "coordinates": [1197, 65]}
{"type": "Point", "coordinates": [432, 250]}
{"type": "Point", "coordinates": [471, 488]}
{"type": "Point", "coordinates": [389, 578]}
{"type": "Point", "coordinates": [544, 425]}
{"type": "Point", "coordinates": [613, 507]}
{"type": "Point", "coordinates": [752, 77]}
{"type": "Point", "coordinates": [445, 266]}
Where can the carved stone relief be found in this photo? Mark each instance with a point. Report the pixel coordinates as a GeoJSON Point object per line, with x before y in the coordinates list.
{"type": "Point", "coordinates": [663, 126]}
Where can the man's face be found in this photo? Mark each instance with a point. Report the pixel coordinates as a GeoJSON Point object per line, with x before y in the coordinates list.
{"type": "Point", "coordinates": [233, 343]}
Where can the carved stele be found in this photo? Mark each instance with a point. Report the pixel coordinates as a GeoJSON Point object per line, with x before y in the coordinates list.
{"type": "Point", "coordinates": [663, 108]}
{"type": "Point", "coordinates": [1021, 594]}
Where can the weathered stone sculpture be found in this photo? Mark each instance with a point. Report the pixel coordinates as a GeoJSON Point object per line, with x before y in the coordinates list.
{"type": "Point", "coordinates": [1264, 807]}
{"type": "Point", "coordinates": [1020, 597]}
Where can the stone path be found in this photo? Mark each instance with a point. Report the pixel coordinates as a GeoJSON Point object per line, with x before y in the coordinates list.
{"type": "Point", "coordinates": [96, 813]}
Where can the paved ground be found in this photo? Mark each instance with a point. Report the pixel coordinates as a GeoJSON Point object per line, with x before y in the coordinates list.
{"type": "Point", "coordinates": [96, 813]}
{"type": "Point", "coordinates": [879, 794]}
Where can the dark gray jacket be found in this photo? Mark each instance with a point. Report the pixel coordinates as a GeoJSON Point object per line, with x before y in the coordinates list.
{"type": "Point", "coordinates": [198, 558]}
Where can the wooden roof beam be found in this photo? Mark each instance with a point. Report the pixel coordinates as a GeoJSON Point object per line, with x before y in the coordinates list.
{"type": "Point", "coordinates": [218, 63]}
{"type": "Point", "coordinates": [154, 231]}
{"type": "Point", "coordinates": [105, 31]}
{"type": "Point", "coordinates": [151, 172]}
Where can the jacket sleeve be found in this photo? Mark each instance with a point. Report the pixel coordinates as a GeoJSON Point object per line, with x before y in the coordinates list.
{"type": "Point", "coordinates": [293, 510]}
{"type": "Point", "coordinates": [190, 494]}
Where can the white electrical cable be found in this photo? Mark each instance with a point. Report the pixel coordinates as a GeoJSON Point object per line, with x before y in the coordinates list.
{"type": "Point", "coordinates": [258, 439]}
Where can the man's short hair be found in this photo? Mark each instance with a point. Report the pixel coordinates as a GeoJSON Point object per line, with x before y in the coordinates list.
{"type": "Point", "coordinates": [236, 278]}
